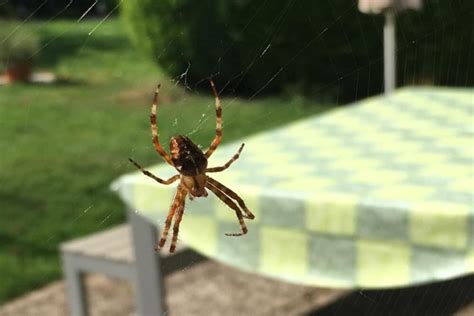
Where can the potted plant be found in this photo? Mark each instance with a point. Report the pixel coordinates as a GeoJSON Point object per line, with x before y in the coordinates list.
{"type": "Point", "coordinates": [18, 44]}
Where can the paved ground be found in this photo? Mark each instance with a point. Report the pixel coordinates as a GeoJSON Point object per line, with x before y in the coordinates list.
{"type": "Point", "coordinates": [207, 288]}
{"type": "Point", "coordinates": [210, 288]}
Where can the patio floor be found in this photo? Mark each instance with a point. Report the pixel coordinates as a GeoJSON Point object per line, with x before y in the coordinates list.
{"type": "Point", "coordinates": [207, 288]}
{"type": "Point", "coordinates": [210, 288]}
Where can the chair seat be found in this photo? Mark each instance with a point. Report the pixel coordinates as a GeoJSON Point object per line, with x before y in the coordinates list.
{"type": "Point", "coordinates": [114, 244]}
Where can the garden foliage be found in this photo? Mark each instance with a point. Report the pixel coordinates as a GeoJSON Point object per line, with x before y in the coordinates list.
{"type": "Point", "coordinates": [313, 47]}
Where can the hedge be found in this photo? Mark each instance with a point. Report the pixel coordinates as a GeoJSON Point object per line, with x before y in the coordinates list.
{"type": "Point", "coordinates": [313, 47]}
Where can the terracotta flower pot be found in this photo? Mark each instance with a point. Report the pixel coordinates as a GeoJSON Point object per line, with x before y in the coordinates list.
{"type": "Point", "coordinates": [20, 71]}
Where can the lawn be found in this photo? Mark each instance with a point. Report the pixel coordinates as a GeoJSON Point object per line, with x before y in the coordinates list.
{"type": "Point", "coordinates": [63, 144]}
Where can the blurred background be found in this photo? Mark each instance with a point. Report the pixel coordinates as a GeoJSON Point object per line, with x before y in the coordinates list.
{"type": "Point", "coordinates": [78, 78]}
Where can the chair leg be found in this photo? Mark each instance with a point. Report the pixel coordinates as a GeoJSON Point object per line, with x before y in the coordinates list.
{"type": "Point", "coordinates": [150, 290]}
{"type": "Point", "coordinates": [75, 287]}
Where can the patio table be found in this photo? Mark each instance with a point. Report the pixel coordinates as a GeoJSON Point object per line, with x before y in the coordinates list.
{"type": "Point", "coordinates": [376, 194]}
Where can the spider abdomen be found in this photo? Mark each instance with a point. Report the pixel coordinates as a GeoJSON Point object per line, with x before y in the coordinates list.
{"type": "Point", "coordinates": [187, 157]}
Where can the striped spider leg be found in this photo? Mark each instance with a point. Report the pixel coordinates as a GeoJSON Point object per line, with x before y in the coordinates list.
{"type": "Point", "coordinates": [217, 139]}
{"type": "Point", "coordinates": [154, 128]}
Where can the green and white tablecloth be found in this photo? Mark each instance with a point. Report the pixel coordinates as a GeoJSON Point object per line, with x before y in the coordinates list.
{"type": "Point", "coordinates": [376, 194]}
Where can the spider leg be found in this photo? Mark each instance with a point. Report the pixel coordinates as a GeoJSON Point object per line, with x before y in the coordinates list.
{"type": "Point", "coordinates": [177, 221]}
{"type": "Point", "coordinates": [151, 175]}
{"type": "Point", "coordinates": [217, 138]}
{"type": "Point", "coordinates": [227, 165]}
{"type": "Point", "coordinates": [177, 202]}
{"type": "Point", "coordinates": [224, 198]}
{"type": "Point", "coordinates": [154, 128]}
{"type": "Point", "coordinates": [233, 195]}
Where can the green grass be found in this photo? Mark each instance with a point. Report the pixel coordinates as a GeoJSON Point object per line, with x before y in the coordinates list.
{"type": "Point", "coordinates": [61, 145]}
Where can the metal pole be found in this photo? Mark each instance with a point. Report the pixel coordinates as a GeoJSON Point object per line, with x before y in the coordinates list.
{"type": "Point", "coordinates": [389, 51]}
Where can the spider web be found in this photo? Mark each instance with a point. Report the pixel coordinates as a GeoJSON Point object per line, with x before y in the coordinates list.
{"type": "Point", "coordinates": [425, 56]}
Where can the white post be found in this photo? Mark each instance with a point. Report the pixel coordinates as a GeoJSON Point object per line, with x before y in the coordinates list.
{"type": "Point", "coordinates": [389, 51]}
{"type": "Point", "coordinates": [150, 286]}
{"type": "Point", "coordinates": [75, 286]}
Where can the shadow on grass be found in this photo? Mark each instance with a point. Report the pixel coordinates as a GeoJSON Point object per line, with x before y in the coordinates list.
{"type": "Point", "coordinates": [35, 249]}
{"type": "Point", "coordinates": [441, 298]}
{"type": "Point", "coordinates": [57, 47]}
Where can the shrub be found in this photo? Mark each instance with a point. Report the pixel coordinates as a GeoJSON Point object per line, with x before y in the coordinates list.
{"type": "Point", "coordinates": [18, 43]}
{"type": "Point", "coordinates": [312, 47]}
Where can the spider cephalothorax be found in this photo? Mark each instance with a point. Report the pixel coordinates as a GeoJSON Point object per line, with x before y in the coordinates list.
{"type": "Point", "coordinates": [191, 163]}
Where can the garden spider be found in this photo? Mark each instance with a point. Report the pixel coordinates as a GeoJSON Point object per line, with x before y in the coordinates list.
{"type": "Point", "coordinates": [191, 163]}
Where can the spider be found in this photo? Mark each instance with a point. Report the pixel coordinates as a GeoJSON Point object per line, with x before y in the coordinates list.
{"type": "Point", "coordinates": [191, 163]}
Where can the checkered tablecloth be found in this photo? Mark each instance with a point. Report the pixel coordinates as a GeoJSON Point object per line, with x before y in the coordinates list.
{"type": "Point", "coordinates": [375, 194]}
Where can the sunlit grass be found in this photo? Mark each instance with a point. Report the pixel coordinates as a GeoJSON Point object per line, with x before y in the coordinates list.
{"type": "Point", "coordinates": [61, 145]}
